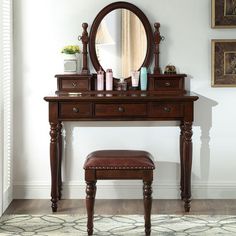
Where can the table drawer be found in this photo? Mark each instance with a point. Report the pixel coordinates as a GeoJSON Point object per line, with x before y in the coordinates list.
{"type": "Point", "coordinates": [121, 109]}
{"type": "Point", "coordinates": [158, 109]}
{"type": "Point", "coordinates": [167, 83]}
{"type": "Point", "coordinates": [75, 110]}
{"type": "Point", "coordinates": [74, 85]}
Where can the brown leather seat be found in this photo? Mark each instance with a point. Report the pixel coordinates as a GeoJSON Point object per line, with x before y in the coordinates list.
{"type": "Point", "coordinates": [119, 164]}
{"type": "Point", "coordinates": [119, 159]}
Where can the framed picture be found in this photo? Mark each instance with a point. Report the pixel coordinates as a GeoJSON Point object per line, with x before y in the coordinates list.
{"type": "Point", "coordinates": [223, 63]}
{"type": "Point", "coordinates": [223, 13]}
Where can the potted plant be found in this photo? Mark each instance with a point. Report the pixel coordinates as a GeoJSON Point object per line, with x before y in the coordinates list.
{"type": "Point", "coordinates": [71, 59]}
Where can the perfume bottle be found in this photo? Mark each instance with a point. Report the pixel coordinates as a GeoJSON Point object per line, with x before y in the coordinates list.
{"type": "Point", "coordinates": [109, 80]}
{"type": "Point", "coordinates": [143, 78]}
{"type": "Point", "coordinates": [100, 80]}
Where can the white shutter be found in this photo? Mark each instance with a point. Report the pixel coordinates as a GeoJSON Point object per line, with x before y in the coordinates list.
{"type": "Point", "coordinates": [1, 116]}
{"type": "Point", "coordinates": [6, 104]}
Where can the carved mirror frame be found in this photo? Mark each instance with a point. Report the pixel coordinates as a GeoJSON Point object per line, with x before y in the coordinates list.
{"type": "Point", "coordinates": [99, 18]}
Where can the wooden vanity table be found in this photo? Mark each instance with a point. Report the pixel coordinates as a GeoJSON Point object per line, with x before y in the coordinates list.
{"type": "Point", "coordinates": [76, 99]}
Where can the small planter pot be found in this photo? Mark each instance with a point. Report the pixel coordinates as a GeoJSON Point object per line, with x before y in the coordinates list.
{"type": "Point", "coordinates": [71, 63]}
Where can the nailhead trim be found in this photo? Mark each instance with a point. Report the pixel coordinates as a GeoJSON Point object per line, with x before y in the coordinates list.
{"type": "Point", "coordinates": [120, 168]}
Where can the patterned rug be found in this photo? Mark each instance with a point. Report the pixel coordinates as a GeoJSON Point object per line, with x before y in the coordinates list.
{"type": "Point", "coordinates": [122, 225]}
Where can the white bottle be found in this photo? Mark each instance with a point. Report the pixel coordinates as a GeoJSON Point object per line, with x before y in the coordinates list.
{"type": "Point", "coordinates": [109, 80]}
{"type": "Point", "coordinates": [135, 78]}
{"type": "Point", "coordinates": [100, 80]}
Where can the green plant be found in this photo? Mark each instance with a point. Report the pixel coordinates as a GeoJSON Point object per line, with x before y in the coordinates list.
{"type": "Point", "coordinates": [71, 49]}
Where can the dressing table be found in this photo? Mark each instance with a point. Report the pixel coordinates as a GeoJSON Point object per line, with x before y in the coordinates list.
{"type": "Point", "coordinates": [77, 99]}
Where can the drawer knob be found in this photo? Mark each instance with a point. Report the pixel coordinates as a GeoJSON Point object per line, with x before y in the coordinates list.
{"type": "Point", "coordinates": [74, 84]}
{"type": "Point", "coordinates": [167, 84]}
{"type": "Point", "coordinates": [75, 109]}
{"type": "Point", "coordinates": [121, 109]}
{"type": "Point", "coordinates": [167, 109]}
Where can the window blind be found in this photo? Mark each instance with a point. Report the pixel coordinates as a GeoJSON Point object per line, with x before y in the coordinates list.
{"type": "Point", "coordinates": [6, 99]}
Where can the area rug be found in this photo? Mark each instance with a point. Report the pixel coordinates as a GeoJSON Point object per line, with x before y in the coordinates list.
{"type": "Point", "coordinates": [119, 225]}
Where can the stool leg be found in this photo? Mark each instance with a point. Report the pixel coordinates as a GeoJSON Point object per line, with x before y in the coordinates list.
{"type": "Point", "coordinates": [147, 200]}
{"type": "Point", "coordinates": [90, 199]}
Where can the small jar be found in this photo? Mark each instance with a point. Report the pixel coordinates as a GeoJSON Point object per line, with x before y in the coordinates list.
{"type": "Point", "coordinates": [122, 85]}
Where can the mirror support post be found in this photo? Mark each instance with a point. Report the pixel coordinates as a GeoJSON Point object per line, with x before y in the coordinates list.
{"type": "Point", "coordinates": [85, 38]}
{"type": "Point", "coordinates": [157, 40]}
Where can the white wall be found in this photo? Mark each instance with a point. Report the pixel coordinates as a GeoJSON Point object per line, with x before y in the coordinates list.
{"type": "Point", "coordinates": [43, 27]}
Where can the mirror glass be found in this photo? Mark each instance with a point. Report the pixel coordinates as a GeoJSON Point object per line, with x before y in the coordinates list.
{"type": "Point", "coordinates": [121, 42]}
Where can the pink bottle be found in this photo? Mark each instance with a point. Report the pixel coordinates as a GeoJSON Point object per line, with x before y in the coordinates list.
{"type": "Point", "coordinates": [109, 80]}
{"type": "Point", "coordinates": [100, 80]}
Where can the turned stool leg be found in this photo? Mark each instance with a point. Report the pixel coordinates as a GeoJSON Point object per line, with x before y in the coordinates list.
{"type": "Point", "coordinates": [147, 200]}
{"type": "Point", "coordinates": [90, 199]}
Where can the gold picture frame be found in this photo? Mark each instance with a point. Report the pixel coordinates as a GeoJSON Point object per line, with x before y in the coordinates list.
{"type": "Point", "coordinates": [223, 14]}
{"type": "Point", "coordinates": [223, 65]}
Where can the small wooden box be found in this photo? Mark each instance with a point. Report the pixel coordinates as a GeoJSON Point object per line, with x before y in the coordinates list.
{"type": "Point", "coordinates": [74, 83]}
{"type": "Point", "coordinates": [167, 83]}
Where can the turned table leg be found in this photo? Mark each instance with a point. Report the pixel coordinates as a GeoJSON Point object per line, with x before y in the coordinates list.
{"type": "Point", "coordinates": [90, 200]}
{"type": "Point", "coordinates": [187, 159]}
{"type": "Point", "coordinates": [59, 127]}
{"type": "Point", "coordinates": [147, 200]}
{"type": "Point", "coordinates": [181, 160]}
{"type": "Point", "coordinates": [54, 164]}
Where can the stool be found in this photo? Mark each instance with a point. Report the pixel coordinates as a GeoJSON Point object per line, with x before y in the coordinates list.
{"type": "Point", "coordinates": [119, 164]}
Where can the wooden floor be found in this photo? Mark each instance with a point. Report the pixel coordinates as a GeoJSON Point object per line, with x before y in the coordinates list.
{"type": "Point", "coordinates": [199, 207]}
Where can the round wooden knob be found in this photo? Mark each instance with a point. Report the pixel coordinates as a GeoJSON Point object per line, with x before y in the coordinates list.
{"type": "Point", "coordinates": [121, 109]}
{"type": "Point", "coordinates": [75, 109]}
{"type": "Point", "coordinates": [85, 25]}
{"type": "Point", "coordinates": [166, 109]}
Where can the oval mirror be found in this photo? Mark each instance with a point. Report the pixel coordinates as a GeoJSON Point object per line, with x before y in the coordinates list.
{"type": "Point", "coordinates": [120, 39]}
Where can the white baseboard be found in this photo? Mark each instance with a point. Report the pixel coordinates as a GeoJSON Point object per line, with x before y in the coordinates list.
{"type": "Point", "coordinates": [129, 190]}
{"type": "Point", "coordinates": [7, 198]}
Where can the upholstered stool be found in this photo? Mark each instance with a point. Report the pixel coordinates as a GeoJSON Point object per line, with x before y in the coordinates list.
{"type": "Point", "coordinates": [119, 164]}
